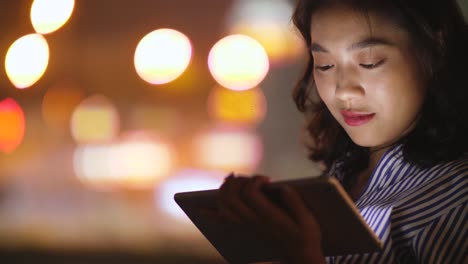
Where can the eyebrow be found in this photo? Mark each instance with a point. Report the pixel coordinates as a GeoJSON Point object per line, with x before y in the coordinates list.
{"type": "Point", "coordinates": [362, 44]}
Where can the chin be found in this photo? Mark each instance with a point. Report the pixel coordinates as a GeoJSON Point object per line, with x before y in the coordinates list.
{"type": "Point", "coordinates": [368, 142]}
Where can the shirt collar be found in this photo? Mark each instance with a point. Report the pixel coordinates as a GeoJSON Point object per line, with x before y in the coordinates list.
{"type": "Point", "coordinates": [386, 171]}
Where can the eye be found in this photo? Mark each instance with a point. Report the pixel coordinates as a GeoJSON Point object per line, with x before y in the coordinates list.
{"type": "Point", "coordinates": [370, 66]}
{"type": "Point", "coordinates": [323, 67]}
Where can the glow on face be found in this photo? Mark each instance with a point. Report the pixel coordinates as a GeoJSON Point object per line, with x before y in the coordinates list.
{"type": "Point", "coordinates": [370, 82]}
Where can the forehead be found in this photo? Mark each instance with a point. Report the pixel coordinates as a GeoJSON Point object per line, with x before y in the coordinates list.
{"type": "Point", "coordinates": [340, 24]}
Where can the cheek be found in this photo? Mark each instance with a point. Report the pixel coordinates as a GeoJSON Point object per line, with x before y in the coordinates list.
{"type": "Point", "coordinates": [399, 89]}
{"type": "Point", "coordinates": [325, 90]}
{"type": "Point", "coordinates": [400, 99]}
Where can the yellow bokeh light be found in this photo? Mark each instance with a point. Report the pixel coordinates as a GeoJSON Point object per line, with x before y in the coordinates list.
{"type": "Point", "coordinates": [229, 150]}
{"type": "Point", "coordinates": [12, 125]}
{"type": "Point", "coordinates": [155, 117]}
{"type": "Point", "coordinates": [280, 43]}
{"type": "Point", "coordinates": [162, 56]}
{"type": "Point", "coordinates": [269, 22]}
{"type": "Point", "coordinates": [26, 60]}
{"type": "Point", "coordinates": [239, 107]}
{"type": "Point", "coordinates": [135, 162]}
{"type": "Point", "coordinates": [95, 120]}
{"type": "Point", "coordinates": [49, 15]}
{"type": "Point", "coordinates": [238, 62]}
{"type": "Point", "coordinates": [58, 105]}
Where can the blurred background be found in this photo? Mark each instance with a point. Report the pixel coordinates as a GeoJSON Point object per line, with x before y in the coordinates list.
{"type": "Point", "coordinates": [109, 107]}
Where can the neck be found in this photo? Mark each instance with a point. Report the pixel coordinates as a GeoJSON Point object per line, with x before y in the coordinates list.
{"type": "Point", "coordinates": [376, 153]}
{"type": "Point", "coordinates": [375, 156]}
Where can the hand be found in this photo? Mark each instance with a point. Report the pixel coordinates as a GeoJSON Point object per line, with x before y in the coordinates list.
{"type": "Point", "coordinates": [291, 229]}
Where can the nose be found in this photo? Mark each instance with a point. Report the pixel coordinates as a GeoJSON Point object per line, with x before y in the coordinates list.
{"type": "Point", "coordinates": [348, 87]}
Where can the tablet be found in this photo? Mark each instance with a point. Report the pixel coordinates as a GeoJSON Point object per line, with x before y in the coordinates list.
{"type": "Point", "coordinates": [344, 231]}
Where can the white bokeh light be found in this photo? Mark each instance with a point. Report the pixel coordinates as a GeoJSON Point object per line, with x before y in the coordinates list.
{"type": "Point", "coordinates": [162, 56]}
{"type": "Point", "coordinates": [184, 181]}
{"type": "Point", "coordinates": [49, 15]}
{"type": "Point", "coordinates": [238, 62]}
{"type": "Point", "coordinates": [26, 60]}
{"type": "Point", "coordinates": [228, 150]}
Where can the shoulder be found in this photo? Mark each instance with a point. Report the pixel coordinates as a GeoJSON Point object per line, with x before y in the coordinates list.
{"type": "Point", "coordinates": [443, 174]}
{"type": "Point", "coordinates": [436, 190]}
{"type": "Point", "coordinates": [448, 173]}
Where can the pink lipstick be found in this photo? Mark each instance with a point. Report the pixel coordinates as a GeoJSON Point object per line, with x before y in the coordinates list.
{"type": "Point", "coordinates": [356, 118]}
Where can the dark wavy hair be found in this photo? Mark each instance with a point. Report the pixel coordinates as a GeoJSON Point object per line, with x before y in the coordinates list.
{"type": "Point", "coordinates": [439, 38]}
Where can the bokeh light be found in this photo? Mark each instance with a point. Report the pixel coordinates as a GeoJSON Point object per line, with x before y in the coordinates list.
{"type": "Point", "coordinates": [95, 120]}
{"type": "Point", "coordinates": [137, 161]}
{"type": "Point", "coordinates": [237, 107]}
{"type": "Point", "coordinates": [141, 159]}
{"type": "Point", "coordinates": [12, 125]}
{"type": "Point", "coordinates": [185, 180]}
{"type": "Point", "coordinates": [238, 62]}
{"type": "Point", "coordinates": [92, 165]}
{"type": "Point", "coordinates": [58, 104]}
{"type": "Point", "coordinates": [162, 56]}
{"type": "Point", "coordinates": [26, 60]}
{"type": "Point", "coordinates": [269, 22]}
{"type": "Point", "coordinates": [49, 15]}
{"type": "Point", "coordinates": [155, 117]}
{"type": "Point", "coordinates": [229, 149]}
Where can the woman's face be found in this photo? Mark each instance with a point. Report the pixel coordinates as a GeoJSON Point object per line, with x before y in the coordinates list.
{"type": "Point", "coordinates": [366, 74]}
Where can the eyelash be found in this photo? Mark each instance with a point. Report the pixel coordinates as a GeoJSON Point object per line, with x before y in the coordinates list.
{"type": "Point", "coordinates": [372, 65]}
{"type": "Point", "coordinates": [365, 66]}
{"type": "Point", "coordinates": [324, 68]}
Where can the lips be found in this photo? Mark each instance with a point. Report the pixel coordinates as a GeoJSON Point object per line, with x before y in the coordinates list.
{"type": "Point", "coordinates": [353, 118]}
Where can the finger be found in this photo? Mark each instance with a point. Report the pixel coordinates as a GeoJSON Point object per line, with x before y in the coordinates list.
{"type": "Point", "coordinates": [231, 201]}
{"type": "Point", "coordinates": [301, 214]}
{"type": "Point", "coordinates": [273, 215]}
{"type": "Point", "coordinates": [224, 210]}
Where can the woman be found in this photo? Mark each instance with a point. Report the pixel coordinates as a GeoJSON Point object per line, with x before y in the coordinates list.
{"type": "Point", "coordinates": [385, 86]}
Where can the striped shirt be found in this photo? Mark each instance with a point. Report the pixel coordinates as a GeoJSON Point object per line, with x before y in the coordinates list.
{"type": "Point", "coordinates": [420, 215]}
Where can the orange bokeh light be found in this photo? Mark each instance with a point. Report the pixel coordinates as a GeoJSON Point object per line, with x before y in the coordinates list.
{"type": "Point", "coordinates": [58, 105]}
{"type": "Point", "coordinates": [237, 107]}
{"type": "Point", "coordinates": [12, 125]}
